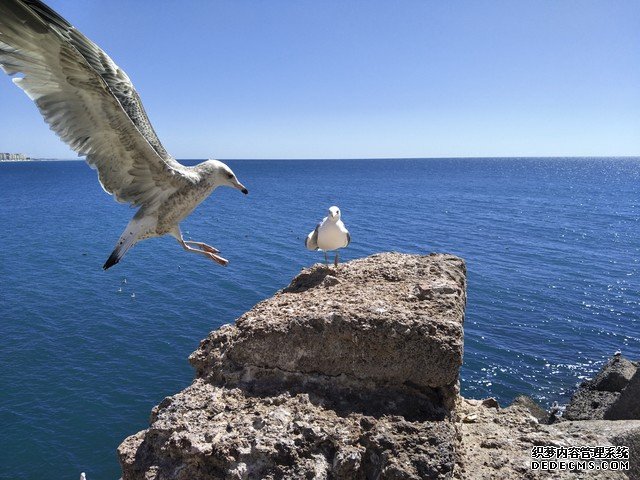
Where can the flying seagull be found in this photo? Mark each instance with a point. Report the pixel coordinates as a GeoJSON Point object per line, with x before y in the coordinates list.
{"type": "Point", "coordinates": [330, 234]}
{"type": "Point", "coordinates": [92, 105]}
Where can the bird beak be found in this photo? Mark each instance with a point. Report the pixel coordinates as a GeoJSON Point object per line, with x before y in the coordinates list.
{"type": "Point", "coordinates": [242, 188]}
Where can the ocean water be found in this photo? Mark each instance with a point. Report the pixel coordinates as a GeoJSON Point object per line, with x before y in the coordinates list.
{"type": "Point", "coordinates": [552, 250]}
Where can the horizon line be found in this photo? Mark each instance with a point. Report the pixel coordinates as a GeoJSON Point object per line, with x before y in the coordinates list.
{"type": "Point", "coordinates": [470, 157]}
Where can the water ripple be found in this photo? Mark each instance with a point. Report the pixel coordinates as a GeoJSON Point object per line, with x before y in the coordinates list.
{"type": "Point", "coordinates": [551, 249]}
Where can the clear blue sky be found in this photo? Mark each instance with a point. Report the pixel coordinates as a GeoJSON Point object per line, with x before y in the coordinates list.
{"type": "Point", "coordinates": [345, 79]}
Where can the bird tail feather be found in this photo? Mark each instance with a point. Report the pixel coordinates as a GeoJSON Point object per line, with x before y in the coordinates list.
{"type": "Point", "coordinates": [136, 227]}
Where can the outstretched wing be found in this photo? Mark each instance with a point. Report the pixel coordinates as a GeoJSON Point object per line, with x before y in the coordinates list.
{"type": "Point", "coordinates": [79, 105]}
{"type": "Point", "coordinates": [115, 78]}
{"type": "Point", "coordinates": [312, 239]}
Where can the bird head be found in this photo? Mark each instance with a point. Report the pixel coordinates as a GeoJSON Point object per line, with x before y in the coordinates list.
{"type": "Point", "coordinates": [224, 176]}
{"type": "Point", "coordinates": [334, 213]}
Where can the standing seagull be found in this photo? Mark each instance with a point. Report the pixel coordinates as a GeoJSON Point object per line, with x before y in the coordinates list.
{"type": "Point", "coordinates": [92, 105]}
{"type": "Point", "coordinates": [329, 234]}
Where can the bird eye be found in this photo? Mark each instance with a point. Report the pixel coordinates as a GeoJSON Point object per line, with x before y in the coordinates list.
{"type": "Point", "coordinates": [229, 176]}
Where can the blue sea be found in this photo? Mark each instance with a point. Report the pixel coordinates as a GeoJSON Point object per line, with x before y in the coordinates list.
{"type": "Point", "coordinates": [552, 249]}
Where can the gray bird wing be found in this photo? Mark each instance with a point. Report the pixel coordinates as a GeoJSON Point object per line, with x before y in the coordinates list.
{"type": "Point", "coordinates": [348, 239]}
{"type": "Point", "coordinates": [88, 101]}
{"type": "Point", "coordinates": [312, 239]}
{"type": "Point", "coordinates": [115, 78]}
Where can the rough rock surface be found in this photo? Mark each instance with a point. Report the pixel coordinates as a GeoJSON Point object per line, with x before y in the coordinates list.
{"type": "Point", "coordinates": [602, 398]}
{"type": "Point", "coordinates": [388, 320]}
{"type": "Point", "coordinates": [588, 404]}
{"type": "Point", "coordinates": [532, 407]}
{"type": "Point", "coordinates": [208, 432]}
{"type": "Point", "coordinates": [629, 435]}
{"type": "Point", "coordinates": [496, 444]}
{"type": "Point", "coordinates": [627, 405]}
{"type": "Point", "coordinates": [348, 373]}
{"type": "Point", "coordinates": [615, 375]}
{"type": "Point", "coordinates": [352, 373]}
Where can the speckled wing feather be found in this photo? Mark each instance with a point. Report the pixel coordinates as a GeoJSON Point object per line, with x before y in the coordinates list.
{"type": "Point", "coordinates": [80, 106]}
{"type": "Point", "coordinates": [115, 78]}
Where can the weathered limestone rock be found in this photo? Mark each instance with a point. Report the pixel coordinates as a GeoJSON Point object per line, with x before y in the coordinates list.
{"type": "Point", "coordinates": [387, 320]}
{"type": "Point", "coordinates": [629, 436]}
{"type": "Point", "coordinates": [208, 432]}
{"type": "Point", "coordinates": [627, 406]}
{"type": "Point", "coordinates": [588, 404]}
{"type": "Point", "coordinates": [532, 407]}
{"type": "Point", "coordinates": [348, 373]}
{"type": "Point", "coordinates": [497, 443]}
{"type": "Point", "coordinates": [595, 399]}
{"type": "Point", "coordinates": [615, 375]}
{"type": "Point", "coordinates": [352, 374]}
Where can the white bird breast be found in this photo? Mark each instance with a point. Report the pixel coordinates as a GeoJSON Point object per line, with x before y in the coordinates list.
{"type": "Point", "coordinates": [332, 235]}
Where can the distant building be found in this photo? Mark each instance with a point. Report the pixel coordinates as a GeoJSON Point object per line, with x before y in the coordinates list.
{"type": "Point", "coordinates": [16, 157]}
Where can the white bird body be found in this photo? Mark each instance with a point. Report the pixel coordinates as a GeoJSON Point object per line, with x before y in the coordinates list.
{"type": "Point", "coordinates": [330, 234]}
{"type": "Point", "coordinates": [93, 106]}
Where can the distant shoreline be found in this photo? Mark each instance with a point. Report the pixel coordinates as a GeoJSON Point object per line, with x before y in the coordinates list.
{"type": "Point", "coordinates": [13, 157]}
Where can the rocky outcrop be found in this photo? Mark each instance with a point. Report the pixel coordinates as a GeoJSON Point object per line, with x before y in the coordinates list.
{"type": "Point", "coordinates": [535, 410]}
{"type": "Point", "coordinates": [352, 373]}
{"type": "Point", "coordinates": [615, 375]}
{"type": "Point", "coordinates": [389, 325]}
{"type": "Point", "coordinates": [211, 432]}
{"type": "Point", "coordinates": [627, 406]}
{"type": "Point", "coordinates": [610, 395]}
{"type": "Point", "coordinates": [348, 373]}
{"type": "Point", "coordinates": [588, 404]}
{"type": "Point", "coordinates": [496, 443]}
